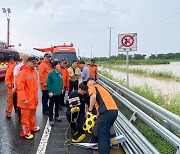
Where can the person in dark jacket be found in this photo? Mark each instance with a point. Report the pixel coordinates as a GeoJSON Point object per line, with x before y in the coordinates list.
{"type": "Point", "coordinates": [55, 89]}
{"type": "Point", "coordinates": [78, 98]}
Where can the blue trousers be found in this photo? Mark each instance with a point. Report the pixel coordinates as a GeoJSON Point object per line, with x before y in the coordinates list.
{"type": "Point", "coordinates": [104, 122]}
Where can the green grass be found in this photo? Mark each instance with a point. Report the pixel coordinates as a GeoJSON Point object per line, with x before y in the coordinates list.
{"type": "Point", "coordinates": [145, 72]}
{"type": "Point", "coordinates": [163, 146]}
{"type": "Point", "coordinates": [108, 75]}
{"type": "Point", "coordinates": [137, 62]}
{"type": "Point", "coordinates": [173, 105]}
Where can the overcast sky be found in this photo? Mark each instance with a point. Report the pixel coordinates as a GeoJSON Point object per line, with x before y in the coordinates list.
{"type": "Point", "coordinates": [42, 23]}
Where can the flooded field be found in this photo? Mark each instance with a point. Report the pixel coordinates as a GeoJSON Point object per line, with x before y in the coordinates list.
{"type": "Point", "coordinates": [163, 86]}
{"type": "Point", "coordinates": [172, 67]}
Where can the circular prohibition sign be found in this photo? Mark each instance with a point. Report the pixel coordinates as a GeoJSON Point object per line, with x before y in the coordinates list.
{"type": "Point", "coordinates": [127, 40]}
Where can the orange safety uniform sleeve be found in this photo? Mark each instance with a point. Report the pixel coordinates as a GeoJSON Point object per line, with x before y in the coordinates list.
{"type": "Point", "coordinates": [67, 80]}
{"type": "Point", "coordinates": [104, 99]}
{"type": "Point", "coordinates": [9, 78]}
{"type": "Point", "coordinates": [65, 77]}
{"type": "Point", "coordinates": [93, 70]}
{"type": "Point", "coordinates": [44, 69]}
{"type": "Point", "coordinates": [27, 88]}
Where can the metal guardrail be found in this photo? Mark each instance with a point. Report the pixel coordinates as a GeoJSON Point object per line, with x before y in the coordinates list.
{"type": "Point", "coordinates": [170, 120]}
{"type": "Point", "coordinates": [136, 142]}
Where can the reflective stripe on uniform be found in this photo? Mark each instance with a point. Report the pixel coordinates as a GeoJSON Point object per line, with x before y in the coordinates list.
{"type": "Point", "coordinates": [31, 76]}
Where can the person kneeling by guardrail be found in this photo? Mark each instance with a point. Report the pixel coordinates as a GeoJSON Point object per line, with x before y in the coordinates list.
{"type": "Point", "coordinates": [76, 112]}
{"type": "Point", "coordinates": [107, 110]}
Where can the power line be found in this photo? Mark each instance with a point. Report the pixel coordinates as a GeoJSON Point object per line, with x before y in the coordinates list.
{"type": "Point", "coordinates": [146, 3]}
{"type": "Point", "coordinates": [124, 11]}
{"type": "Point", "coordinates": [161, 21]}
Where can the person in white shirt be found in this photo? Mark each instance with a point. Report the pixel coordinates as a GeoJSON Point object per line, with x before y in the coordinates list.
{"type": "Point", "coordinates": [15, 73]}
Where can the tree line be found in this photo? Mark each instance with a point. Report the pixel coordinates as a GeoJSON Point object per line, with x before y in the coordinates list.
{"type": "Point", "coordinates": [169, 56]}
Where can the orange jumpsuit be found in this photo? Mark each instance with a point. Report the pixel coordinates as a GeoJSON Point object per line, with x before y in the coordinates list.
{"type": "Point", "coordinates": [44, 69]}
{"type": "Point", "coordinates": [27, 89]}
{"type": "Point", "coordinates": [93, 71]}
{"type": "Point", "coordinates": [9, 78]}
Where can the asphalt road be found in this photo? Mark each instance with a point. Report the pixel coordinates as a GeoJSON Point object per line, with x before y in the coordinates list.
{"type": "Point", "coordinates": [12, 143]}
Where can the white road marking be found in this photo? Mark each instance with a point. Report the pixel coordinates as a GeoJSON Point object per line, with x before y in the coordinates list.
{"type": "Point", "coordinates": [44, 140]}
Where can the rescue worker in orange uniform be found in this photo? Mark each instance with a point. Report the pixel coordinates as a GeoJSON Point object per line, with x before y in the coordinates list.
{"type": "Point", "coordinates": [107, 113]}
{"type": "Point", "coordinates": [27, 94]}
{"type": "Point", "coordinates": [65, 77]}
{"type": "Point", "coordinates": [93, 69]}
{"type": "Point", "coordinates": [11, 62]}
{"type": "Point", "coordinates": [9, 78]}
{"type": "Point", "coordinates": [44, 68]}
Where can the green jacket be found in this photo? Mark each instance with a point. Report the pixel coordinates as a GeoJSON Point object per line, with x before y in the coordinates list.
{"type": "Point", "coordinates": [55, 83]}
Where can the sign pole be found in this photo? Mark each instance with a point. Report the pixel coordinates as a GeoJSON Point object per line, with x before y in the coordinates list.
{"type": "Point", "coordinates": [126, 43]}
{"type": "Point", "coordinates": [127, 68]}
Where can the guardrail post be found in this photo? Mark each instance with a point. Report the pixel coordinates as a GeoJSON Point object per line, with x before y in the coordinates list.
{"type": "Point", "coordinates": [133, 117]}
{"type": "Point", "coordinates": [166, 124]}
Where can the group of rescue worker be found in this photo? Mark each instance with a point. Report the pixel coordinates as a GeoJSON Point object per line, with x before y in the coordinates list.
{"type": "Point", "coordinates": [79, 81]}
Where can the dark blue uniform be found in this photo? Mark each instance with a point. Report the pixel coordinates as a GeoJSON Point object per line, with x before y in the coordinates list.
{"type": "Point", "coordinates": [78, 125]}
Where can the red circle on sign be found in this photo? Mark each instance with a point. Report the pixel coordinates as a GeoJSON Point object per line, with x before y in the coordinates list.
{"type": "Point", "coordinates": [130, 43]}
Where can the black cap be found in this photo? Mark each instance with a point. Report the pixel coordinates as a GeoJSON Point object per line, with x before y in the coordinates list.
{"type": "Point", "coordinates": [93, 60]}
{"type": "Point", "coordinates": [82, 62]}
{"type": "Point", "coordinates": [54, 63]}
{"type": "Point", "coordinates": [47, 55]}
{"type": "Point", "coordinates": [32, 59]}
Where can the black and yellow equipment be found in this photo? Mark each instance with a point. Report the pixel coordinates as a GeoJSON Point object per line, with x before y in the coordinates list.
{"type": "Point", "coordinates": [89, 123]}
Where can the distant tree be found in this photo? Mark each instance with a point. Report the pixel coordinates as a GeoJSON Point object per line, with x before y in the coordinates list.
{"type": "Point", "coordinates": [121, 56]}
{"type": "Point", "coordinates": [139, 56]}
{"type": "Point", "coordinates": [161, 56]}
{"type": "Point", "coordinates": [177, 55]}
{"type": "Point", "coordinates": [152, 56]}
{"type": "Point", "coordinates": [130, 57]}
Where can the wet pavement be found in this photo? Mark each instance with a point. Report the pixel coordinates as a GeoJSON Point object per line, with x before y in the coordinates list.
{"type": "Point", "coordinates": [12, 143]}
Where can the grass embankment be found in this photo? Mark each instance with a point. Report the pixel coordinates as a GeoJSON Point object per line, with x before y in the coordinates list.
{"type": "Point", "coordinates": [146, 73]}
{"type": "Point", "coordinates": [163, 146]}
{"type": "Point", "coordinates": [173, 105]}
{"type": "Point", "coordinates": [154, 138]}
{"type": "Point", "coordinates": [137, 62]}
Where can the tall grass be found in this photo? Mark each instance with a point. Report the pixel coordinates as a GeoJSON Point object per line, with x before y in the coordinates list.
{"type": "Point", "coordinates": [163, 146]}
{"type": "Point", "coordinates": [145, 72]}
{"type": "Point", "coordinates": [173, 105]}
{"type": "Point", "coordinates": [137, 62]}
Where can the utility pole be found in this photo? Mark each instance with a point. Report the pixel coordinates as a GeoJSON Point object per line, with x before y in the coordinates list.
{"type": "Point", "coordinates": [7, 11]}
{"type": "Point", "coordinates": [110, 28]}
{"type": "Point", "coordinates": [91, 52]}
{"type": "Point", "coordinates": [78, 52]}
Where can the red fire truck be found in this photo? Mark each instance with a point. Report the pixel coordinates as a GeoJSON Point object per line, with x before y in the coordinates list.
{"type": "Point", "coordinates": [5, 54]}
{"type": "Point", "coordinates": [61, 51]}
